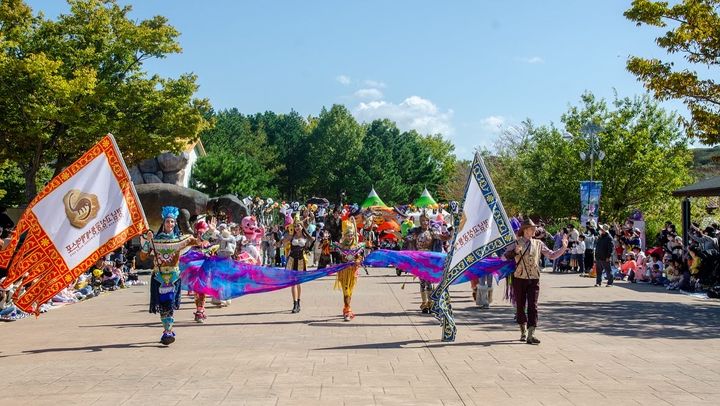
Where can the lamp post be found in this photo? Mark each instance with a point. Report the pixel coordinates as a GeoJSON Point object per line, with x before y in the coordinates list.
{"type": "Point", "coordinates": [589, 133]}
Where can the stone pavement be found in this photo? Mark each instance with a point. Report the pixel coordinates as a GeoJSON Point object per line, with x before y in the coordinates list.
{"type": "Point", "coordinates": [629, 344]}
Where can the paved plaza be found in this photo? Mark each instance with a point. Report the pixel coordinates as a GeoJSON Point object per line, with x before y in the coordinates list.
{"type": "Point", "coordinates": [629, 344]}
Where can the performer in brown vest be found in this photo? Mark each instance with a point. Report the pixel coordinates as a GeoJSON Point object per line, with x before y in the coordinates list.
{"type": "Point", "coordinates": [526, 279]}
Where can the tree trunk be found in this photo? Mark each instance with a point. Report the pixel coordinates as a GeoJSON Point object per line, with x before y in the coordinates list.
{"type": "Point", "coordinates": [30, 172]}
{"type": "Point", "coordinates": [60, 164]}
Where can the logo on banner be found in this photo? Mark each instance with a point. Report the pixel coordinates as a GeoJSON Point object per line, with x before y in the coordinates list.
{"type": "Point", "coordinates": [80, 208]}
{"type": "Point", "coordinates": [102, 212]}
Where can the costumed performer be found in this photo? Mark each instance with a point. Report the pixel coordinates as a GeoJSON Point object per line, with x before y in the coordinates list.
{"type": "Point", "coordinates": [526, 279]}
{"type": "Point", "coordinates": [424, 238]}
{"type": "Point", "coordinates": [201, 227]}
{"type": "Point", "coordinates": [297, 258]}
{"type": "Point", "coordinates": [165, 280]}
{"type": "Point", "coordinates": [349, 250]}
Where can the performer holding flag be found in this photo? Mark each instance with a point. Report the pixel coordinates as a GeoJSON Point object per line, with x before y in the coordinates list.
{"type": "Point", "coordinates": [484, 228]}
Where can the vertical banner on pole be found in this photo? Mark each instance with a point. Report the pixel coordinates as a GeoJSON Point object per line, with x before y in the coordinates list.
{"type": "Point", "coordinates": [484, 229]}
{"type": "Point", "coordinates": [590, 201]}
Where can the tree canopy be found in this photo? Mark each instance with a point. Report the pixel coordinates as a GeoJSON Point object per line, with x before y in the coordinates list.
{"type": "Point", "coordinates": [694, 35]}
{"type": "Point", "coordinates": [537, 169]}
{"type": "Point", "coordinates": [287, 156]}
{"type": "Point", "coordinates": [65, 83]}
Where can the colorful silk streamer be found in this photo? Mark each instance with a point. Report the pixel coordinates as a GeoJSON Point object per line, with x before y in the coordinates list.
{"type": "Point", "coordinates": [429, 265]}
{"type": "Point", "coordinates": [224, 278]}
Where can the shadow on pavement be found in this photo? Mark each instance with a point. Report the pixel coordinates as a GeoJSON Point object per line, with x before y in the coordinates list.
{"type": "Point", "coordinates": [419, 344]}
{"type": "Point", "coordinates": [90, 348]}
{"type": "Point", "coordinates": [621, 318]}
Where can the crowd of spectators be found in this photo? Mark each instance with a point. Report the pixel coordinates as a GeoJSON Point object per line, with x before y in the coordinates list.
{"type": "Point", "coordinates": [620, 256]}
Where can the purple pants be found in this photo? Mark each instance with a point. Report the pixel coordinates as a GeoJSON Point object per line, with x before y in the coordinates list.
{"type": "Point", "coordinates": [526, 292]}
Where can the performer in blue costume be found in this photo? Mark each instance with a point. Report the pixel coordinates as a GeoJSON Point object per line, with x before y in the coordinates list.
{"type": "Point", "coordinates": [165, 281]}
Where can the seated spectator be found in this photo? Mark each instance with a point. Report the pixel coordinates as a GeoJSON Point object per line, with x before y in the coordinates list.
{"type": "Point", "coordinates": [83, 288]}
{"type": "Point", "coordinates": [656, 275]}
{"type": "Point", "coordinates": [630, 268]}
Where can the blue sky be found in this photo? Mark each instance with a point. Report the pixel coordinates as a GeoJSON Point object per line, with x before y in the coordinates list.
{"type": "Point", "coordinates": [462, 68]}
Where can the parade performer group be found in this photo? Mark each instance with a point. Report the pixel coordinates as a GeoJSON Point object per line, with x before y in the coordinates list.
{"type": "Point", "coordinates": [228, 262]}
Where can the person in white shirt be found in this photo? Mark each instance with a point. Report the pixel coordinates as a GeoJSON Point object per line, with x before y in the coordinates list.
{"type": "Point", "coordinates": [579, 253]}
{"type": "Point", "coordinates": [573, 234]}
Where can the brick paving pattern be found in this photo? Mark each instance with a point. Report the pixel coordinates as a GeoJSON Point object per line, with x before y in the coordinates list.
{"type": "Point", "coordinates": [629, 344]}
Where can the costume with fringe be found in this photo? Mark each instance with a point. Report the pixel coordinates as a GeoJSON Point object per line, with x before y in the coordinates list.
{"type": "Point", "coordinates": [350, 251]}
{"type": "Point", "coordinates": [165, 284]}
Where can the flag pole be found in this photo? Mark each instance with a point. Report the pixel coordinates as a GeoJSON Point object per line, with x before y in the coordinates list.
{"type": "Point", "coordinates": [483, 229]}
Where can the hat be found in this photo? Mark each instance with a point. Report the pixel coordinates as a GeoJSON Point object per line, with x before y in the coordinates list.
{"type": "Point", "coordinates": [605, 227]}
{"type": "Point", "coordinates": [526, 224]}
{"type": "Point", "coordinates": [592, 224]}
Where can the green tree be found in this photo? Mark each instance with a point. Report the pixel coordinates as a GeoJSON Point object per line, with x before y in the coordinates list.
{"type": "Point", "coordinates": [537, 169]}
{"type": "Point", "coordinates": [695, 36]}
{"type": "Point", "coordinates": [646, 155]}
{"type": "Point", "coordinates": [377, 166]}
{"type": "Point", "coordinates": [239, 161]}
{"type": "Point", "coordinates": [288, 135]}
{"type": "Point", "coordinates": [66, 83]}
{"type": "Point", "coordinates": [333, 147]}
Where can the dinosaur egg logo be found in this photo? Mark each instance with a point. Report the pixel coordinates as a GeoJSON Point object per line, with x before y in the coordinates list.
{"type": "Point", "coordinates": [80, 208]}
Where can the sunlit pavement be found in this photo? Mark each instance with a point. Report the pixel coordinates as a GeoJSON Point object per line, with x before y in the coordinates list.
{"type": "Point", "coordinates": [629, 344]}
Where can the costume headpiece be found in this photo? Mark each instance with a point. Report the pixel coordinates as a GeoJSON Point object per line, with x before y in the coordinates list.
{"type": "Point", "coordinates": [201, 226]}
{"type": "Point", "coordinates": [170, 211]}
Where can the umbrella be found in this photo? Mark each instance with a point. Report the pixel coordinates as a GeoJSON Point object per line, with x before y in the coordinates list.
{"type": "Point", "coordinates": [320, 201]}
{"type": "Point", "coordinates": [373, 200]}
{"type": "Point", "coordinates": [426, 201]}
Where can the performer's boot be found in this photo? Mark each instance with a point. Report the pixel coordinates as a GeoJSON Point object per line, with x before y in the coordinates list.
{"type": "Point", "coordinates": [200, 316]}
{"type": "Point", "coordinates": [429, 303]}
{"type": "Point", "coordinates": [296, 306]}
{"type": "Point", "coordinates": [483, 297]}
{"type": "Point", "coordinates": [531, 339]}
{"type": "Point", "coordinates": [475, 295]}
{"type": "Point", "coordinates": [423, 305]}
{"type": "Point", "coordinates": [523, 332]}
{"type": "Point", "coordinates": [347, 311]}
{"type": "Point", "coordinates": [168, 336]}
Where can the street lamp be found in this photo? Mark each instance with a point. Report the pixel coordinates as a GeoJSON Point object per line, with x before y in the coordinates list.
{"type": "Point", "coordinates": [590, 135]}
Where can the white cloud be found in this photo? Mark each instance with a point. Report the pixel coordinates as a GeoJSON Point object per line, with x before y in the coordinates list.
{"type": "Point", "coordinates": [343, 80]}
{"type": "Point", "coordinates": [492, 124]}
{"type": "Point", "coordinates": [531, 60]}
{"type": "Point", "coordinates": [369, 94]}
{"type": "Point", "coordinates": [374, 83]}
{"type": "Point", "coordinates": [413, 113]}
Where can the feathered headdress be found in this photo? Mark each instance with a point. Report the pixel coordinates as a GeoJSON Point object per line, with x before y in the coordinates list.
{"type": "Point", "coordinates": [170, 211]}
